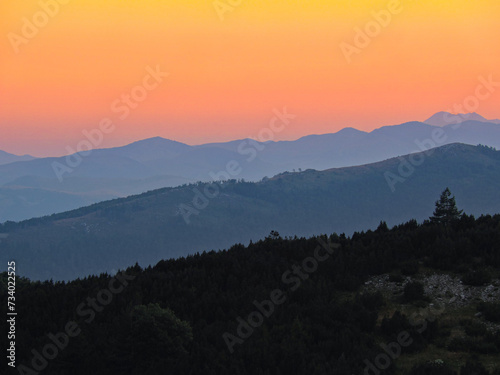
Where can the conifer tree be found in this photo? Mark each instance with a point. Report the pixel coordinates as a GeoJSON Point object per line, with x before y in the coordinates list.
{"type": "Point", "coordinates": [446, 209]}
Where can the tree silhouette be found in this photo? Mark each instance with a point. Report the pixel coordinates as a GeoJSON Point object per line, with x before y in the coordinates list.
{"type": "Point", "coordinates": [446, 209]}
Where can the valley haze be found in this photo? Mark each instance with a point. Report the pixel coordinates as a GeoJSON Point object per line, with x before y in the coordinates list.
{"type": "Point", "coordinates": [35, 187]}
{"type": "Point", "coordinates": [151, 226]}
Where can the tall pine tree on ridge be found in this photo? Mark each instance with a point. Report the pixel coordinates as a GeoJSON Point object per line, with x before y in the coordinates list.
{"type": "Point", "coordinates": [446, 209]}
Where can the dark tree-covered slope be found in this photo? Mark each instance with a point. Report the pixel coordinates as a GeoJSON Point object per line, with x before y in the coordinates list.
{"type": "Point", "coordinates": [172, 318]}
{"type": "Point", "coordinates": [152, 226]}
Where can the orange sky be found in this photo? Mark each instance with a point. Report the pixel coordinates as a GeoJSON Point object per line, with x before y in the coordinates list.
{"type": "Point", "coordinates": [227, 72]}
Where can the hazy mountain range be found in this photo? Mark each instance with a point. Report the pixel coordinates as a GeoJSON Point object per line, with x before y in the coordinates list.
{"type": "Point", "coordinates": [445, 118]}
{"type": "Point", "coordinates": [6, 158]}
{"type": "Point", "coordinates": [32, 188]}
{"type": "Point", "coordinates": [171, 222]}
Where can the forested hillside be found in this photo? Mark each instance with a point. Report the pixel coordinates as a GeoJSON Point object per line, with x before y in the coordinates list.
{"type": "Point", "coordinates": [49, 185]}
{"type": "Point", "coordinates": [174, 222]}
{"type": "Point", "coordinates": [280, 306]}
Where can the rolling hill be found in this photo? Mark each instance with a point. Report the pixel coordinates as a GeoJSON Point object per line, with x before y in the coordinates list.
{"type": "Point", "coordinates": [282, 306]}
{"type": "Point", "coordinates": [6, 158]}
{"type": "Point", "coordinates": [33, 189]}
{"type": "Point", "coordinates": [171, 222]}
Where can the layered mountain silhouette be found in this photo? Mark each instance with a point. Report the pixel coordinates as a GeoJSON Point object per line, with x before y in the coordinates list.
{"type": "Point", "coordinates": [173, 222]}
{"type": "Point", "coordinates": [48, 185]}
{"type": "Point", "coordinates": [6, 158]}
{"type": "Point", "coordinates": [446, 118]}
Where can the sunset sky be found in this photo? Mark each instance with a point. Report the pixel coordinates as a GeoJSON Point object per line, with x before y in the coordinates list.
{"type": "Point", "coordinates": [229, 68]}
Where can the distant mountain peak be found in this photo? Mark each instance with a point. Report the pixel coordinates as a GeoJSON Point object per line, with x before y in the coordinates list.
{"type": "Point", "coordinates": [350, 130]}
{"type": "Point", "coordinates": [446, 118]}
{"type": "Point", "coordinates": [155, 141]}
{"type": "Point", "coordinates": [7, 158]}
